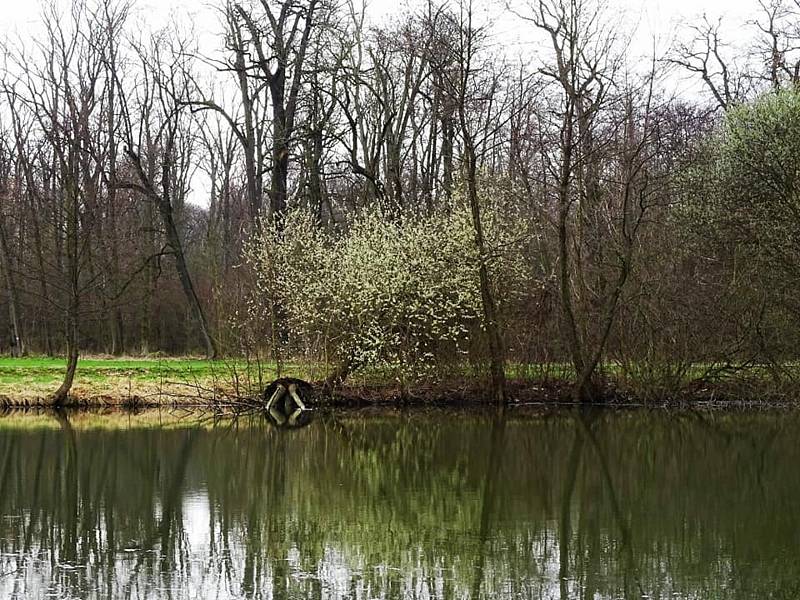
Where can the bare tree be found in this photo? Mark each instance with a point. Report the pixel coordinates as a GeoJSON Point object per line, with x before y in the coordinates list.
{"type": "Point", "coordinates": [706, 54]}
{"type": "Point", "coordinates": [777, 44]}
{"type": "Point", "coordinates": [9, 203]}
{"type": "Point", "coordinates": [465, 94]}
{"type": "Point", "coordinates": [279, 38]}
{"type": "Point", "coordinates": [159, 146]}
{"type": "Point", "coordinates": [63, 96]}
{"type": "Point", "coordinates": [599, 175]}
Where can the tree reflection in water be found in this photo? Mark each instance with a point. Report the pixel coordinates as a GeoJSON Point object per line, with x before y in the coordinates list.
{"type": "Point", "coordinates": [401, 505]}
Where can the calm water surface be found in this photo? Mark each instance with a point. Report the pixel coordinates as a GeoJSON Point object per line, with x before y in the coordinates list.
{"type": "Point", "coordinates": [415, 505]}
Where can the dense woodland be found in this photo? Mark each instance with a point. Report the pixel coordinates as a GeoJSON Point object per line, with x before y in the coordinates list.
{"type": "Point", "coordinates": [411, 196]}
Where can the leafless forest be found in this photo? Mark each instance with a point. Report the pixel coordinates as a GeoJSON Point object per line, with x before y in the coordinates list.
{"type": "Point", "coordinates": [413, 196]}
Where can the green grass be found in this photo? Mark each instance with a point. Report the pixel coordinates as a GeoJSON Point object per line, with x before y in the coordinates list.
{"type": "Point", "coordinates": [14, 371]}
{"type": "Point", "coordinates": [142, 367]}
{"type": "Point", "coordinates": [118, 379]}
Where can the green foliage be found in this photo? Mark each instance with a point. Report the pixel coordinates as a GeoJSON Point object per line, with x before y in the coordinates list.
{"type": "Point", "coordinates": [740, 224]}
{"type": "Point", "coordinates": [748, 191]}
{"type": "Point", "coordinates": [400, 293]}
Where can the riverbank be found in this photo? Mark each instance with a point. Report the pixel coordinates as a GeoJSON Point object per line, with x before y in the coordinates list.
{"type": "Point", "coordinates": [194, 382]}
{"type": "Point", "coordinates": [131, 381]}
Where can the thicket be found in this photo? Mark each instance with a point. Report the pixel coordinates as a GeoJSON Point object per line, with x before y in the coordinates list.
{"type": "Point", "coordinates": [398, 293]}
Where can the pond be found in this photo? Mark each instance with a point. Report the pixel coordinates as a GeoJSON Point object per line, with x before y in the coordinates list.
{"type": "Point", "coordinates": [420, 504]}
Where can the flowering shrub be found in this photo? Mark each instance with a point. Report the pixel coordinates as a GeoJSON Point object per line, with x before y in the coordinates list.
{"type": "Point", "coordinates": [400, 293]}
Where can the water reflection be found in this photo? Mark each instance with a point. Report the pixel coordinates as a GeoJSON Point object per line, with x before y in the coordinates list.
{"type": "Point", "coordinates": [415, 505]}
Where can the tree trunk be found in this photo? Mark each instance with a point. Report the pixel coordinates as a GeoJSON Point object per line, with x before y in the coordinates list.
{"type": "Point", "coordinates": [60, 396]}
{"type": "Point", "coordinates": [280, 151]}
{"type": "Point", "coordinates": [447, 157]}
{"type": "Point", "coordinates": [164, 204]}
{"type": "Point", "coordinates": [252, 167]}
{"type": "Point", "coordinates": [17, 344]}
{"type": "Point", "coordinates": [490, 321]}
{"type": "Point", "coordinates": [582, 391]}
{"type": "Point", "coordinates": [186, 281]}
{"type": "Point", "coordinates": [62, 393]}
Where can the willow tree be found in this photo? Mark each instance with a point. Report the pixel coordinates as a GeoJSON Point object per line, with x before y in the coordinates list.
{"type": "Point", "coordinates": [743, 203]}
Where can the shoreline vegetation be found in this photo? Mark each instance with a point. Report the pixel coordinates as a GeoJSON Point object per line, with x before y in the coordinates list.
{"type": "Point", "coordinates": [191, 382]}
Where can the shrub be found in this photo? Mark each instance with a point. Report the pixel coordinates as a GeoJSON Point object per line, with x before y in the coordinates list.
{"type": "Point", "coordinates": [395, 293]}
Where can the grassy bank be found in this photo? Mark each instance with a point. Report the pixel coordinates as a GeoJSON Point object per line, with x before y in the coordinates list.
{"type": "Point", "coordinates": [102, 380]}
{"type": "Point", "coordinates": [194, 381]}
{"type": "Point", "coordinates": [128, 380]}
